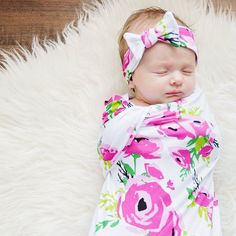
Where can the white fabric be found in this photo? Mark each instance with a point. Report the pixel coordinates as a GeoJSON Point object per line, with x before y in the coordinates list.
{"type": "Point", "coordinates": [50, 113]}
{"type": "Point", "coordinates": [119, 137]}
{"type": "Point", "coordinates": [150, 124]}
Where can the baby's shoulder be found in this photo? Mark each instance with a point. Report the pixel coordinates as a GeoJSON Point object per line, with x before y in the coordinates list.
{"type": "Point", "coordinates": [114, 106]}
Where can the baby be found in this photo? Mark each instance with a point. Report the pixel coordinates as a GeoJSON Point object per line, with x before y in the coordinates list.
{"type": "Point", "coordinates": [159, 146]}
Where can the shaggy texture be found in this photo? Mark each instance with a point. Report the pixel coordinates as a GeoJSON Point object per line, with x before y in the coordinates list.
{"type": "Point", "coordinates": [51, 107]}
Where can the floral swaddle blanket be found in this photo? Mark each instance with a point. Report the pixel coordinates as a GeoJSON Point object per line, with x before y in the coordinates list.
{"type": "Point", "coordinates": [158, 166]}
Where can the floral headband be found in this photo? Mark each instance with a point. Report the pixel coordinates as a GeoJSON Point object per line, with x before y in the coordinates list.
{"type": "Point", "coordinates": [166, 30]}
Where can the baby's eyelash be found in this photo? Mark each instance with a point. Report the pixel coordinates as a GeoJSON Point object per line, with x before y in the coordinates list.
{"type": "Point", "coordinates": [161, 72]}
{"type": "Point", "coordinates": [188, 71]}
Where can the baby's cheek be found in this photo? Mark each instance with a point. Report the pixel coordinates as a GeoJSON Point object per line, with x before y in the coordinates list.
{"type": "Point", "coordinates": [190, 85]}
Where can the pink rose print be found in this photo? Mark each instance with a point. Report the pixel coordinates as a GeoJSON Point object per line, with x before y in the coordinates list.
{"type": "Point", "coordinates": [187, 36]}
{"type": "Point", "coordinates": [141, 207]}
{"type": "Point", "coordinates": [186, 128]}
{"type": "Point", "coordinates": [206, 151]}
{"type": "Point", "coordinates": [114, 106]}
{"type": "Point", "coordinates": [104, 117]}
{"type": "Point", "coordinates": [182, 156]}
{"type": "Point", "coordinates": [146, 205]}
{"type": "Point", "coordinates": [143, 147]}
{"type": "Point", "coordinates": [211, 140]}
{"type": "Point", "coordinates": [203, 199]}
{"type": "Point", "coordinates": [166, 117]}
{"type": "Point", "coordinates": [175, 129]}
{"type": "Point", "coordinates": [107, 152]}
{"type": "Point", "coordinates": [131, 131]}
{"type": "Point", "coordinates": [146, 41]}
{"type": "Point", "coordinates": [170, 185]}
{"type": "Point", "coordinates": [127, 59]}
{"type": "Point", "coordinates": [112, 99]}
{"type": "Point", "coordinates": [153, 171]}
{"type": "Point", "coordinates": [201, 128]}
{"type": "Point", "coordinates": [168, 229]}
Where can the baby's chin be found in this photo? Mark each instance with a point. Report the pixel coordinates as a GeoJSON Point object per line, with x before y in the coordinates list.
{"type": "Point", "coordinates": [169, 99]}
{"type": "Point", "coordinates": [165, 98]}
{"type": "Point", "coordinates": [173, 98]}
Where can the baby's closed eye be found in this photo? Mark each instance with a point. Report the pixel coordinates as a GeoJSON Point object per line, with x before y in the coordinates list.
{"type": "Point", "coordinates": [188, 71]}
{"type": "Point", "coordinates": [160, 72]}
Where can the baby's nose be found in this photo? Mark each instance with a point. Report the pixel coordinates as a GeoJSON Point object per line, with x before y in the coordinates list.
{"type": "Point", "coordinates": [177, 78]}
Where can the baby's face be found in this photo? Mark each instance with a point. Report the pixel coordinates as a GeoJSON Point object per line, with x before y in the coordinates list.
{"type": "Point", "coordinates": [164, 74]}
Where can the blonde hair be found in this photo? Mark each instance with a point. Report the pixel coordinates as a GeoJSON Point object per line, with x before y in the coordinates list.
{"type": "Point", "coordinates": [146, 13]}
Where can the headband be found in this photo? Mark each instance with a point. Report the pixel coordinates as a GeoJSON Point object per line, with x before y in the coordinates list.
{"type": "Point", "coordinates": [166, 30]}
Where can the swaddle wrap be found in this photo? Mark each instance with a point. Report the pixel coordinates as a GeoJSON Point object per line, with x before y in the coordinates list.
{"type": "Point", "coordinates": [158, 166]}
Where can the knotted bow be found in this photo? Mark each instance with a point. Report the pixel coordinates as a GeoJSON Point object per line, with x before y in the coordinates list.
{"type": "Point", "coordinates": [166, 30]}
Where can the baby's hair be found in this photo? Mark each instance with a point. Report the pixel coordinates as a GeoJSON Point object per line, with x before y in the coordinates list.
{"type": "Point", "coordinates": [146, 13]}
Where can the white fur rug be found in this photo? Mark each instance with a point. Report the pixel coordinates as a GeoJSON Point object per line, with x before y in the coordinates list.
{"type": "Point", "coordinates": [51, 107]}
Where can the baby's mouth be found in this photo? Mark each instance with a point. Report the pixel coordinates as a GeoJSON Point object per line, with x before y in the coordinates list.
{"type": "Point", "coordinates": [174, 93]}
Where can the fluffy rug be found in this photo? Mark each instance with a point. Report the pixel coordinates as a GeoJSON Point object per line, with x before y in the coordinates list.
{"type": "Point", "coordinates": [51, 106]}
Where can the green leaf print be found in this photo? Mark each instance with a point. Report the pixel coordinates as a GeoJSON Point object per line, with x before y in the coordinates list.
{"type": "Point", "coordinates": [129, 75]}
{"type": "Point", "coordinates": [206, 214]}
{"type": "Point", "coordinates": [183, 111]}
{"type": "Point", "coordinates": [191, 142]}
{"type": "Point", "coordinates": [198, 143]}
{"type": "Point", "coordinates": [113, 106]}
{"type": "Point", "coordinates": [207, 160]}
{"type": "Point", "coordinates": [124, 181]}
{"type": "Point", "coordinates": [195, 111]}
{"type": "Point", "coordinates": [120, 190]}
{"type": "Point", "coordinates": [105, 223]}
{"type": "Point", "coordinates": [115, 223]}
{"type": "Point", "coordinates": [102, 225]}
{"type": "Point", "coordinates": [192, 204]}
{"type": "Point", "coordinates": [98, 227]}
{"type": "Point", "coordinates": [134, 155]}
{"type": "Point", "coordinates": [194, 155]}
{"type": "Point", "coordinates": [190, 194]}
{"type": "Point", "coordinates": [184, 173]}
{"type": "Point", "coordinates": [183, 44]}
{"type": "Point", "coordinates": [200, 211]}
{"type": "Point", "coordinates": [106, 164]}
{"type": "Point", "coordinates": [185, 233]}
{"type": "Point", "coordinates": [108, 107]}
{"type": "Point", "coordinates": [108, 202]}
{"type": "Point", "coordinates": [145, 174]}
{"type": "Point", "coordinates": [129, 169]}
{"type": "Point", "coordinates": [191, 197]}
{"type": "Point", "coordinates": [203, 212]}
{"type": "Point", "coordinates": [201, 141]}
